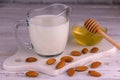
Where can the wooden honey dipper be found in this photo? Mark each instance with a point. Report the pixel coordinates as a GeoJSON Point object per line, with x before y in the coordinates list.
{"type": "Point", "coordinates": [94, 27]}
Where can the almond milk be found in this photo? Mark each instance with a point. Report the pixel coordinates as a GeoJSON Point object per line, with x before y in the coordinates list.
{"type": "Point", "coordinates": [49, 34]}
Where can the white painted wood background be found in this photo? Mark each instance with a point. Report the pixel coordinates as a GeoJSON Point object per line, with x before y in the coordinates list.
{"type": "Point", "coordinates": [107, 15]}
{"type": "Point", "coordinates": [64, 1]}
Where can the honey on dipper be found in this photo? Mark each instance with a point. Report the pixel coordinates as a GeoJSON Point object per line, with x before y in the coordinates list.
{"type": "Point", "coordinates": [94, 27]}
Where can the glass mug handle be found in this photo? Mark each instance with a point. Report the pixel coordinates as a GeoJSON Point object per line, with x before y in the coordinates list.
{"type": "Point", "coordinates": [22, 43]}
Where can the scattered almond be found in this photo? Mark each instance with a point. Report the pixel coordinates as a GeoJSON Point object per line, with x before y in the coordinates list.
{"type": "Point", "coordinates": [94, 50]}
{"type": "Point", "coordinates": [95, 64]}
{"type": "Point", "coordinates": [31, 59]}
{"type": "Point", "coordinates": [84, 50]}
{"type": "Point", "coordinates": [32, 74]}
{"type": "Point", "coordinates": [51, 61]}
{"type": "Point", "coordinates": [67, 58]}
{"type": "Point", "coordinates": [81, 68]}
{"type": "Point", "coordinates": [75, 53]}
{"type": "Point", "coordinates": [94, 73]}
{"type": "Point", "coordinates": [71, 72]}
{"type": "Point", "coordinates": [61, 64]}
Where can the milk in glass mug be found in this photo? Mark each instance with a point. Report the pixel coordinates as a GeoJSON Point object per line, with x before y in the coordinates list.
{"type": "Point", "coordinates": [48, 29]}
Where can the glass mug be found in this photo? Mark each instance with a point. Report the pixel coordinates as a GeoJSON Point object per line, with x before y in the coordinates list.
{"type": "Point", "coordinates": [48, 29]}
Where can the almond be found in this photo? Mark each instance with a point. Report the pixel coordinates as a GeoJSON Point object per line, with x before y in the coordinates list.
{"type": "Point", "coordinates": [32, 74]}
{"type": "Point", "coordinates": [94, 50]}
{"type": "Point", "coordinates": [61, 64]}
{"type": "Point", "coordinates": [31, 59]}
{"type": "Point", "coordinates": [95, 64]}
{"type": "Point", "coordinates": [94, 73]}
{"type": "Point", "coordinates": [51, 61]}
{"type": "Point", "coordinates": [84, 50]}
{"type": "Point", "coordinates": [75, 53]}
{"type": "Point", "coordinates": [71, 72]}
{"type": "Point", "coordinates": [81, 68]}
{"type": "Point", "coordinates": [67, 58]}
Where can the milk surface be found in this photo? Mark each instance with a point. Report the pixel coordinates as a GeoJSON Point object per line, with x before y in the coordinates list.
{"type": "Point", "coordinates": [49, 34]}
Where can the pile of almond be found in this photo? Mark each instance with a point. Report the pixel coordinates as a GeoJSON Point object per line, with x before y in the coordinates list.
{"type": "Point", "coordinates": [66, 60]}
{"type": "Point", "coordinates": [84, 51]}
{"type": "Point", "coordinates": [94, 73]}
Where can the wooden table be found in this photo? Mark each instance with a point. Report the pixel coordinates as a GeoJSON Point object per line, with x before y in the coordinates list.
{"type": "Point", "coordinates": [107, 15]}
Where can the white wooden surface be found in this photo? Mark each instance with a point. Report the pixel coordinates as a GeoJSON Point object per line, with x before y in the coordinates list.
{"type": "Point", "coordinates": [107, 15]}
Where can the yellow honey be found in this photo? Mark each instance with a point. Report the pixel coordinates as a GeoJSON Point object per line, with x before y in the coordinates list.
{"type": "Point", "coordinates": [83, 37]}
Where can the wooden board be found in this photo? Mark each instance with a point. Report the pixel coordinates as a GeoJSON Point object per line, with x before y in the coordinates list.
{"type": "Point", "coordinates": [17, 63]}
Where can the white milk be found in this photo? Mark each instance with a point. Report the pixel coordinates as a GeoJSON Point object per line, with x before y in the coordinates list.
{"type": "Point", "coordinates": [49, 34]}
